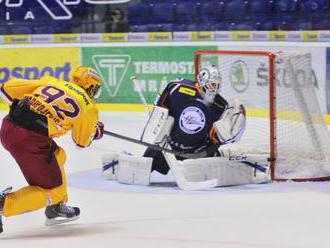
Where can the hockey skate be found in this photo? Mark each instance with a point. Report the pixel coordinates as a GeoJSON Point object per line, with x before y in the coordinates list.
{"type": "Point", "coordinates": [60, 213]}
{"type": "Point", "coordinates": [2, 202]}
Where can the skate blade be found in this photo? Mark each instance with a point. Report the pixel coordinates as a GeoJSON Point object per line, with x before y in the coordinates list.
{"type": "Point", "coordinates": [53, 222]}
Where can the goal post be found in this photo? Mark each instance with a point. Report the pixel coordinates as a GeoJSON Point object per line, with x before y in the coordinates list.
{"type": "Point", "coordinates": [284, 119]}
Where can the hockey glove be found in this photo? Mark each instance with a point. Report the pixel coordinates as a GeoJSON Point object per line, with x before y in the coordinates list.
{"type": "Point", "coordinates": [99, 131]}
{"type": "Point", "coordinates": [231, 125]}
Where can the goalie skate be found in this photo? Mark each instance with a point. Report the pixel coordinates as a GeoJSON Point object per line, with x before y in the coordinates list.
{"type": "Point", "coordinates": [61, 213]}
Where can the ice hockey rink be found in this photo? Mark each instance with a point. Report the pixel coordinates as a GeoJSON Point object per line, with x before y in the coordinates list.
{"type": "Point", "coordinates": [277, 215]}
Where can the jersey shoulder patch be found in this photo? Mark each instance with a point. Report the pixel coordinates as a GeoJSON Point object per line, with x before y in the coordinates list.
{"type": "Point", "coordinates": [187, 91]}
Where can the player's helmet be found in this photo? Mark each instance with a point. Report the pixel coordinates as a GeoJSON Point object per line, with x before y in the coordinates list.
{"type": "Point", "coordinates": [209, 79]}
{"type": "Point", "coordinates": [88, 79]}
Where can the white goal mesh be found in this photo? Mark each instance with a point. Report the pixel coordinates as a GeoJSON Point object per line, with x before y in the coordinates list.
{"type": "Point", "coordinates": [283, 113]}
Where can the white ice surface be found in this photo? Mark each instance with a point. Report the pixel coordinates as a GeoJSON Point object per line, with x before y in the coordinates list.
{"type": "Point", "coordinates": [278, 215]}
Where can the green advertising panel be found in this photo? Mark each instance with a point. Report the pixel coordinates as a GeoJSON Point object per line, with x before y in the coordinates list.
{"type": "Point", "coordinates": [153, 66]}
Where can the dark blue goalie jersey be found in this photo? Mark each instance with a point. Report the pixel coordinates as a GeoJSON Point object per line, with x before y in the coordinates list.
{"type": "Point", "coordinates": [194, 118]}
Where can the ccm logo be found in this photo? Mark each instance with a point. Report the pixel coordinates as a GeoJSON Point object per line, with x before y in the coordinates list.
{"type": "Point", "coordinates": [238, 157]}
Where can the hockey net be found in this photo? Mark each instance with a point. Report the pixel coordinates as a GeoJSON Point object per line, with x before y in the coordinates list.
{"type": "Point", "coordinates": [284, 120]}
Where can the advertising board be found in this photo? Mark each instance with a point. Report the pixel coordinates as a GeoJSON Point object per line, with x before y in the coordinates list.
{"type": "Point", "coordinates": [154, 67]}
{"type": "Point", "coordinates": [33, 63]}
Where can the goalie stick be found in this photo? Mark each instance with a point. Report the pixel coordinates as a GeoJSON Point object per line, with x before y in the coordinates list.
{"type": "Point", "coordinates": [139, 91]}
{"type": "Point", "coordinates": [176, 169]}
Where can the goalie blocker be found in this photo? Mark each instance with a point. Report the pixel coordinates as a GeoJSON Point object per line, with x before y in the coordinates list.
{"type": "Point", "coordinates": [129, 169]}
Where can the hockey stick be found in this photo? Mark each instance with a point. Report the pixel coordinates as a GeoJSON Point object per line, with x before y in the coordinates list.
{"type": "Point", "coordinates": [139, 91]}
{"type": "Point", "coordinates": [176, 167]}
{"type": "Point", "coordinates": [156, 147]}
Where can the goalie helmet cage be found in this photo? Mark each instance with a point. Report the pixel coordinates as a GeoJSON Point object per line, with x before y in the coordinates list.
{"type": "Point", "coordinates": [284, 120]}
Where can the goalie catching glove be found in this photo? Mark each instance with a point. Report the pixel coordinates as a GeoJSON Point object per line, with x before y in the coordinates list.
{"type": "Point", "coordinates": [231, 126]}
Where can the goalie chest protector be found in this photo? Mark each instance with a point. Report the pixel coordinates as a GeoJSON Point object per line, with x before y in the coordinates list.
{"type": "Point", "coordinates": [193, 121]}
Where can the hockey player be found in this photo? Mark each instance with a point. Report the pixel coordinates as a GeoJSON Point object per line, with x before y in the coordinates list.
{"type": "Point", "coordinates": [192, 117]}
{"type": "Point", "coordinates": [194, 107]}
{"type": "Point", "coordinates": [41, 110]}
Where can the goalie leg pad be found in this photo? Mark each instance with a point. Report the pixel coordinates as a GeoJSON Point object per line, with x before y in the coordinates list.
{"type": "Point", "coordinates": [109, 165]}
{"type": "Point", "coordinates": [134, 169]}
{"type": "Point", "coordinates": [126, 168]}
{"type": "Point", "coordinates": [228, 173]}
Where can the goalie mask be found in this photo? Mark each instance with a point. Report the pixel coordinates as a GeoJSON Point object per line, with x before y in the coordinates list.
{"type": "Point", "coordinates": [210, 81]}
{"type": "Point", "coordinates": [88, 79]}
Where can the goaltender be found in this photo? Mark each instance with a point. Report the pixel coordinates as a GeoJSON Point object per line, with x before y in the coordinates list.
{"type": "Point", "coordinates": [191, 117]}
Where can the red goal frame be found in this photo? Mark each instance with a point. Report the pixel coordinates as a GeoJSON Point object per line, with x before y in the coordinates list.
{"type": "Point", "coordinates": [272, 98]}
